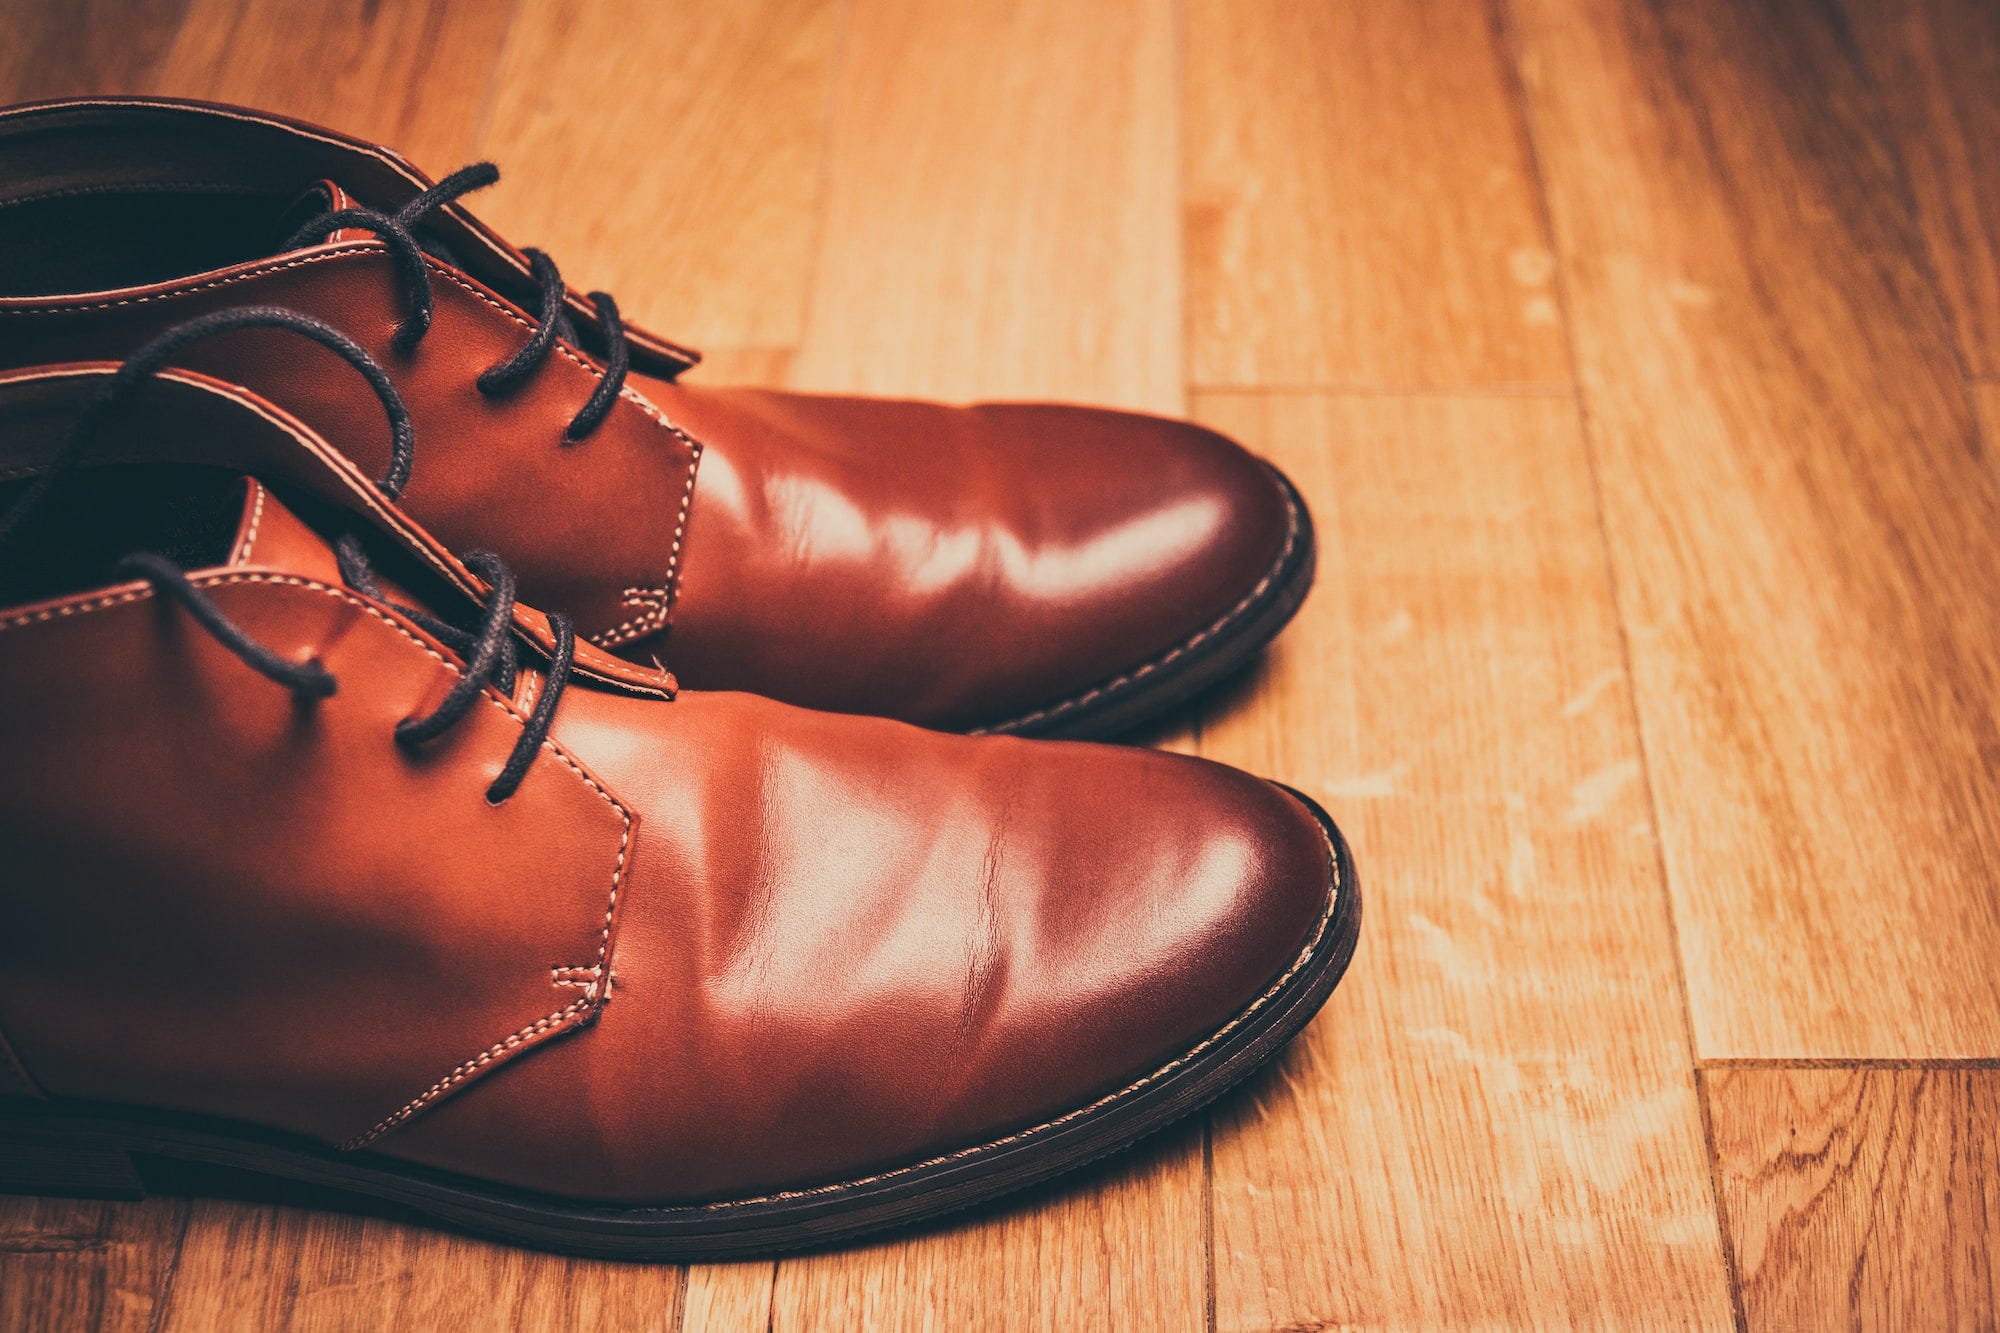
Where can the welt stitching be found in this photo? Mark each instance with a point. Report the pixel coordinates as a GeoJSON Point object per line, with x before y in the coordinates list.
{"type": "Point", "coordinates": [548, 1022]}
{"type": "Point", "coordinates": [1312, 945]}
{"type": "Point", "coordinates": [1180, 650]}
{"type": "Point", "coordinates": [242, 553]}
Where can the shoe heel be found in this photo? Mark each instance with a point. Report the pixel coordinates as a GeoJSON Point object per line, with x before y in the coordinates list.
{"type": "Point", "coordinates": [34, 1161]}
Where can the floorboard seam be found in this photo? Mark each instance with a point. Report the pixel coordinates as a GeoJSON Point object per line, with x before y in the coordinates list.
{"type": "Point", "coordinates": [1358, 390]}
{"type": "Point", "coordinates": [1783, 1062]}
{"type": "Point", "coordinates": [1501, 16]}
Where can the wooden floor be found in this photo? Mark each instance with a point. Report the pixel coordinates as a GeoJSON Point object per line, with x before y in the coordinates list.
{"type": "Point", "coordinates": [1641, 362]}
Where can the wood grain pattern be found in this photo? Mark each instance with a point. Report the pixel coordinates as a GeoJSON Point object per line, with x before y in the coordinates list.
{"type": "Point", "coordinates": [67, 1264]}
{"type": "Point", "coordinates": [692, 192]}
{"type": "Point", "coordinates": [1861, 1198]}
{"type": "Point", "coordinates": [1806, 537]}
{"type": "Point", "coordinates": [1986, 399]}
{"type": "Point", "coordinates": [1117, 1247]}
{"type": "Point", "coordinates": [412, 74]}
{"type": "Point", "coordinates": [1765, 240]}
{"type": "Point", "coordinates": [1000, 216]}
{"type": "Point", "coordinates": [86, 46]}
{"type": "Point", "coordinates": [728, 1298]}
{"type": "Point", "coordinates": [1361, 207]}
{"type": "Point", "coordinates": [1493, 1123]}
{"type": "Point", "coordinates": [1935, 65]}
{"type": "Point", "coordinates": [258, 1267]}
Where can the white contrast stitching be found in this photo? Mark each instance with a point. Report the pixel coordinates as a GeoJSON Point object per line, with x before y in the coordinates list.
{"type": "Point", "coordinates": [547, 1023]}
{"type": "Point", "coordinates": [68, 609]}
{"type": "Point", "coordinates": [585, 978]}
{"type": "Point", "coordinates": [635, 628]}
{"type": "Point", "coordinates": [541, 1026]}
{"type": "Point", "coordinates": [659, 601]}
{"type": "Point", "coordinates": [241, 555]}
{"type": "Point", "coordinates": [363, 490]}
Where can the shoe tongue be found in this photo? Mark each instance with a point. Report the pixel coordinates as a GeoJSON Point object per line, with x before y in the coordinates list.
{"type": "Point", "coordinates": [323, 197]}
{"type": "Point", "coordinates": [270, 536]}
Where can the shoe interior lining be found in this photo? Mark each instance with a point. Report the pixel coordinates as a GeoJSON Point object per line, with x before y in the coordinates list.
{"type": "Point", "coordinates": [100, 240]}
{"type": "Point", "coordinates": [98, 515]}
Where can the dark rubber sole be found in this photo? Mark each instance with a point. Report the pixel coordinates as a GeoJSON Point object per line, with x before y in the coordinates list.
{"type": "Point", "coordinates": [99, 1152]}
{"type": "Point", "coordinates": [1206, 658]}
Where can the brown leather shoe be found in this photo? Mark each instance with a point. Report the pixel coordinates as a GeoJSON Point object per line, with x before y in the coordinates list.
{"type": "Point", "coordinates": [1003, 568]}
{"type": "Point", "coordinates": [330, 861]}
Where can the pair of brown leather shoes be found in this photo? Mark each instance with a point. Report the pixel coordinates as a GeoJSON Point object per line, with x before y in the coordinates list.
{"type": "Point", "coordinates": [332, 858]}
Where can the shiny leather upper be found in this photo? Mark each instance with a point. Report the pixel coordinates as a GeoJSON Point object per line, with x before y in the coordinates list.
{"type": "Point", "coordinates": [715, 945]}
{"type": "Point", "coordinates": [954, 566]}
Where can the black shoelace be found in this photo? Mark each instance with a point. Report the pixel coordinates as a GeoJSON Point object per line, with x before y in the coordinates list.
{"type": "Point", "coordinates": [398, 231]}
{"type": "Point", "coordinates": [487, 651]}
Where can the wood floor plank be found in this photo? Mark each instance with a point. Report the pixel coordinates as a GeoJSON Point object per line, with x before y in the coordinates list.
{"type": "Point", "coordinates": [1861, 1198]}
{"type": "Point", "coordinates": [1806, 536]}
{"type": "Point", "coordinates": [1986, 398]}
{"type": "Point", "coordinates": [409, 75]}
{"type": "Point", "coordinates": [84, 46]}
{"type": "Point", "coordinates": [272, 1267]}
{"type": "Point", "coordinates": [66, 1264]}
{"type": "Point", "coordinates": [1494, 1122]}
{"type": "Point", "coordinates": [728, 1298]}
{"type": "Point", "coordinates": [1361, 206]}
{"type": "Point", "coordinates": [412, 75]}
{"type": "Point", "coordinates": [692, 193]}
{"type": "Point", "coordinates": [1115, 1247]}
{"type": "Point", "coordinates": [1001, 209]}
{"type": "Point", "coordinates": [1936, 68]}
